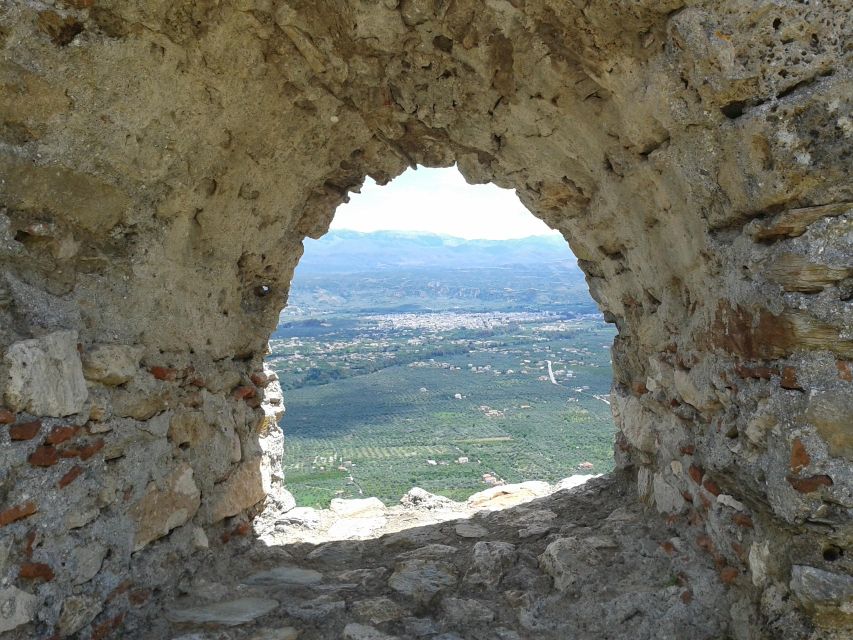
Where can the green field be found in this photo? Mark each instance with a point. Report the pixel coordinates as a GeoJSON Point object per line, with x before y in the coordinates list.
{"type": "Point", "coordinates": [374, 434]}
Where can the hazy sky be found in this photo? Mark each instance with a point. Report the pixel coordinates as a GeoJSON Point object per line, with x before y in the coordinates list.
{"type": "Point", "coordinates": [439, 201]}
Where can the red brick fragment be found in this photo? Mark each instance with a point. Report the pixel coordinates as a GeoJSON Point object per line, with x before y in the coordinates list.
{"type": "Point", "coordinates": [163, 373]}
{"type": "Point", "coordinates": [696, 473]}
{"type": "Point", "coordinates": [742, 520]}
{"type": "Point", "coordinates": [45, 456]}
{"type": "Point", "coordinates": [6, 416]}
{"type": "Point", "coordinates": [61, 434]}
{"type": "Point", "coordinates": [845, 370]}
{"type": "Point", "coordinates": [91, 449]}
{"type": "Point", "coordinates": [789, 379]}
{"type": "Point", "coordinates": [241, 529]}
{"type": "Point", "coordinates": [668, 547]}
{"type": "Point", "coordinates": [106, 628]}
{"type": "Point", "coordinates": [728, 575]}
{"type": "Point", "coordinates": [120, 589]}
{"type": "Point", "coordinates": [705, 543]}
{"type": "Point", "coordinates": [72, 474]}
{"type": "Point", "coordinates": [139, 597]}
{"type": "Point", "coordinates": [639, 387]}
{"type": "Point", "coordinates": [711, 487]}
{"type": "Point", "coordinates": [259, 379]}
{"type": "Point", "coordinates": [18, 512]}
{"type": "Point", "coordinates": [810, 484]}
{"type": "Point", "coordinates": [36, 571]}
{"type": "Point", "coordinates": [25, 430]}
{"type": "Point", "coordinates": [688, 450]}
{"type": "Point", "coordinates": [800, 458]}
{"type": "Point", "coordinates": [30, 541]}
{"type": "Point", "coordinates": [686, 597]}
{"type": "Point", "coordinates": [244, 393]}
{"type": "Point", "coordinates": [688, 497]}
{"type": "Point", "coordinates": [757, 373]}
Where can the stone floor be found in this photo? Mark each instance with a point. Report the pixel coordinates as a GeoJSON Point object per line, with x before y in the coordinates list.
{"type": "Point", "coordinates": [584, 563]}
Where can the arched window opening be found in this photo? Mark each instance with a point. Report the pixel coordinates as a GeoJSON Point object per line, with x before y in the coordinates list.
{"type": "Point", "coordinates": [440, 336]}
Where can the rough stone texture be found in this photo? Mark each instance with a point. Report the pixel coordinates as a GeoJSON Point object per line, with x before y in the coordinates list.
{"type": "Point", "coordinates": [161, 163]}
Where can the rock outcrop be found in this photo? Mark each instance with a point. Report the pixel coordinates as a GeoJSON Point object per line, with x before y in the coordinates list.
{"type": "Point", "coordinates": [161, 163]}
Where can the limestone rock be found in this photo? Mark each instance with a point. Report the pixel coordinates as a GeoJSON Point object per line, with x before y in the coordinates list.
{"type": "Point", "coordinates": [16, 608]}
{"type": "Point", "coordinates": [422, 579]}
{"type": "Point", "coordinates": [417, 498]}
{"type": "Point", "coordinates": [490, 561]}
{"type": "Point", "coordinates": [111, 364]}
{"type": "Point", "coordinates": [574, 481]}
{"type": "Point", "coordinates": [363, 507]}
{"type": "Point", "coordinates": [46, 375]}
{"type": "Point", "coordinates": [243, 488]}
{"type": "Point", "coordinates": [162, 509]}
{"type": "Point", "coordinates": [228, 613]}
{"type": "Point", "coordinates": [569, 561]}
{"type": "Point", "coordinates": [508, 495]}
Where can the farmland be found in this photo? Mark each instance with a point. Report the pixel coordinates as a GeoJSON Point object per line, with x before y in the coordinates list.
{"type": "Point", "coordinates": [450, 394]}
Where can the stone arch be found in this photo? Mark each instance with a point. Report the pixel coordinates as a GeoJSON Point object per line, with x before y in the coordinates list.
{"type": "Point", "coordinates": [161, 163]}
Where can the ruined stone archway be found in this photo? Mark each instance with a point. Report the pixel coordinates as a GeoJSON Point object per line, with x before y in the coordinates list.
{"type": "Point", "coordinates": [161, 163]}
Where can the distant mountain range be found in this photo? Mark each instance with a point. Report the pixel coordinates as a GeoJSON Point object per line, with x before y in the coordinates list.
{"type": "Point", "coordinates": [353, 252]}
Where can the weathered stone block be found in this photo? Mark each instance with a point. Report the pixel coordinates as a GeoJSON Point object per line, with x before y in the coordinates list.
{"type": "Point", "coordinates": [46, 376]}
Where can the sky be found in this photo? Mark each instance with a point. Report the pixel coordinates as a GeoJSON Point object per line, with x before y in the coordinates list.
{"type": "Point", "coordinates": [439, 201]}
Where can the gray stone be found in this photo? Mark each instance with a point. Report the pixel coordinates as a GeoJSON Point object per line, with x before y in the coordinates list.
{"type": "Point", "coordinates": [87, 561]}
{"type": "Point", "coordinates": [378, 610]}
{"type": "Point", "coordinates": [466, 611]}
{"type": "Point", "coordinates": [417, 498]}
{"type": "Point", "coordinates": [280, 633]}
{"type": "Point", "coordinates": [284, 577]}
{"type": "Point", "coordinates": [77, 612]}
{"type": "Point", "coordinates": [45, 375]}
{"type": "Point", "coordinates": [422, 579]}
{"type": "Point", "coordinates": [470, 530]}
{"type": "Point", "coordinates": [315, 611]}
{"type": "Point", "coordinates": [490, 561]}
{"type": "Point", "coordinates": [16, 608]}
{"type": "Point", "coordinates": [815, 586]}
{"type": "Point", "coordinates": [228, 613]}
{"type": "Point", "coordinates": [570, 562]}
{"type": "Point", "coordinates": [429, 551]}
{"type": "Point", "coordinates": [356, 631]}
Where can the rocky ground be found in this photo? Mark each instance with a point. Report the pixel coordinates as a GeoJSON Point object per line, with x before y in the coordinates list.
{"type": "Point", "coordinates": [584, 562]}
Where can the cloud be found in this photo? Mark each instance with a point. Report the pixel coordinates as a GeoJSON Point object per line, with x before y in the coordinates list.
{"type": "Point", "coordinates": [439, 201]}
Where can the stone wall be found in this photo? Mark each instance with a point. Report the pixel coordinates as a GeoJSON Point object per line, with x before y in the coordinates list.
{"type": "Point", "coordinates": [161, 162]}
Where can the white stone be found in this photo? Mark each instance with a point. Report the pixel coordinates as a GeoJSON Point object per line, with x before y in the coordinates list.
{"type": "Point", "coordinates": [46, 376]}
{"type": "Point", "coordinates": [668, 499]}
{"type": "Point", "coordinates": [729, 501]}
{"type": "Point", "coordinates": [573, 481]}
{"type": "Point", "coordinates": [360, 507]}
{"type": "Point", "coordinates": [634, 421]}
{"type": "Point", "coordinates": [348, 528]}
{"type": "Point", "coordinates": [509, 495]}
{"type": "Point", "coordinates": [759, 554]}
{"type": "Point", "coordinates": [16, 608]}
